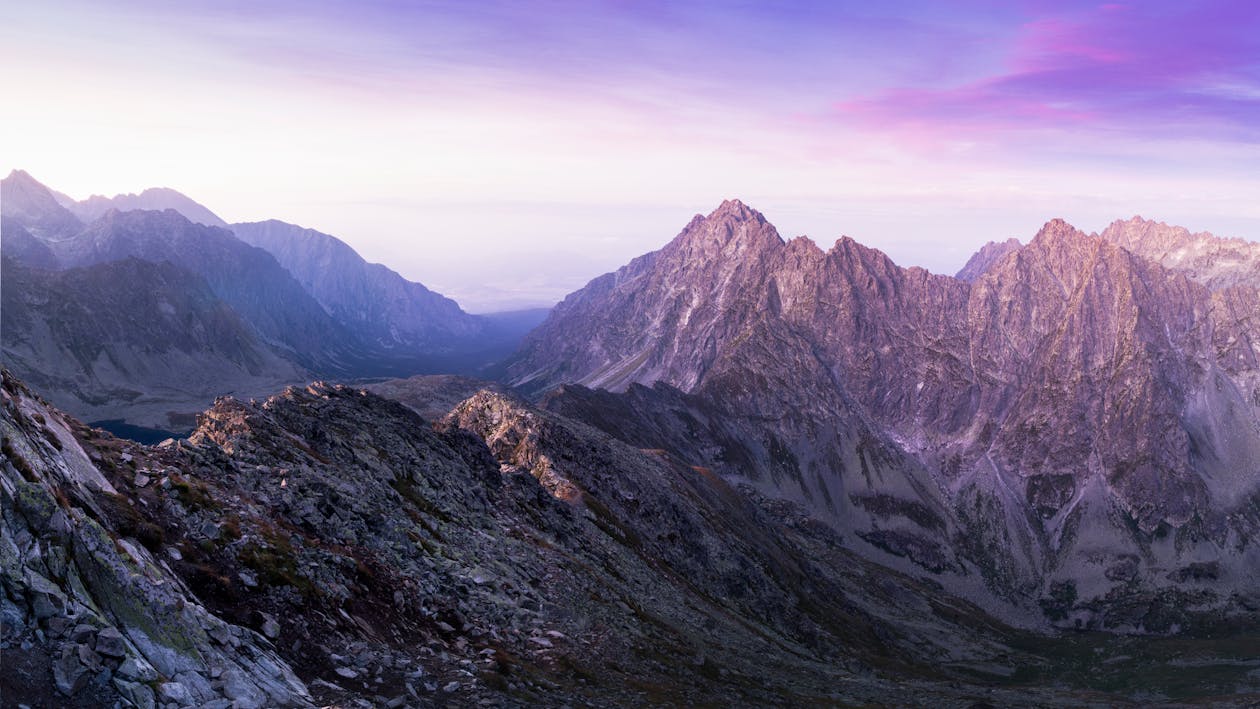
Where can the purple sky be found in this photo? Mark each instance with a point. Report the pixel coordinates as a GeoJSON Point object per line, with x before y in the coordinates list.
{"type": "Point", "coordinates": [505, 153]}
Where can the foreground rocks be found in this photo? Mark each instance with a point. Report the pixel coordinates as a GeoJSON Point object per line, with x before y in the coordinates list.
{"type": "Point", "coordinates": [331, 547]}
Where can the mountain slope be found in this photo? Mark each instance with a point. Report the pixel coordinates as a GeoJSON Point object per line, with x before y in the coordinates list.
{"type": "Point", "coordinates": [328, 546]}
{"type": "Point", "coordinates": [247, 278]}
{"type": "Point", "coordinates": [983, 259]}
{"type": "Point", "coordinates": [154, 356]}
{"type": "Point", "coordinates": [28, 203]}
{"type": "Point", "coordinates": [1072, 404]}
{"type": "Point", "coordinates": [154, 199]}
{"type": "Point", "coordinates": [379, 305]}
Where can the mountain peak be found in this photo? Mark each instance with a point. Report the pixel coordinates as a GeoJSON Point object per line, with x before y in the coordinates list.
{"type": "Point", "coordinates": [735, 209]}
{"type": "Point", "coordinates": [986, 257]}
{"type": "Point", "coordinates": [33, 205]}
{"type": "Point", "coordinates": [732, 229]}
{"type": "Point", "coordinates": [152, 199]}
{"type": "Point", "coordinates": [1058, 232]}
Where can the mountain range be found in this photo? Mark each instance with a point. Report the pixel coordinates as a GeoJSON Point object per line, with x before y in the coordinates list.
{"type": "Point", "coordinates": [740, 470]}
{"type": "Point", "coordinates": [1077, 415]}
{"type": "Point", "coordinates": [308, 304]}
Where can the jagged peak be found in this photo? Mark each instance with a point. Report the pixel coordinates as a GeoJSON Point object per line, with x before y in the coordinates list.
{"type": "Point", "coordinates": [733, 223]}
{"type": "Point", "coordinates": [1058, 231]}
{"type": "Point", "coordinates": [733, 208]}
{"type": "Point", "coordinates": [988, 256]}
{"type": "Point", "coordinates": [21, 179]}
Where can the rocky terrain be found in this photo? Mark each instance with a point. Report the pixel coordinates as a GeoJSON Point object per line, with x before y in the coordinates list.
{"type": "Point", "coordinates": [1076, 426]}
{"type": "Point", "coordinates": [988, 255]}
{"type": "Point", "coordinates": [90, 338]}
{"type": "Point", "coordinates": [331, 547]}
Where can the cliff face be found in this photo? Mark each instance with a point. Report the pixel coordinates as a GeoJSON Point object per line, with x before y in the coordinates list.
{"type": "Point", "coordinates": [1073, 405]}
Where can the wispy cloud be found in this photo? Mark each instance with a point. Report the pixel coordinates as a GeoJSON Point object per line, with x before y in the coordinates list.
{"type": "Point", "coordinates": [1154, 70]}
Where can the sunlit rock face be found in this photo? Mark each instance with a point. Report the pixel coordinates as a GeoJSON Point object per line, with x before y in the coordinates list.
{"type": "Point", "coordinates": [1081, 409]}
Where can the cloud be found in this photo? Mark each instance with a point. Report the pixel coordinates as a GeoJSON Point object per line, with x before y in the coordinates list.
{"type": "Point", "coordinates": [1149, 70]}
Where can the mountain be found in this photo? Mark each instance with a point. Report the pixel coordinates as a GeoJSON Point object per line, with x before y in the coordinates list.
{"type": "Point", "coordinates": [154, 199]}
{"type": "Point", "coordinates": [988, 255]}
{"type": "Point", "coordinates": [1070, 420]}
{"type": "Point", "coordinates": [27, 203]}
{"type": "Point", "coordinates": [1215, 262]}
{"type": "Point", "coordinates": [95, 343]}
{"type": "Point", "coordinates": [329, 547]}
{"type": "Point", "coordinates": [247, 278]}
{"type": "Point", "coordinates": [382, 307]}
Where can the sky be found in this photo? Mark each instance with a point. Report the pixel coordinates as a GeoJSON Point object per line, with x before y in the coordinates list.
{"type": "Point", "coordinates": [505, 153]}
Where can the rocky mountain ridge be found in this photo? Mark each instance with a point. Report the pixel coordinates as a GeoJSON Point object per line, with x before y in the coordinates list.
{"type": "Point", "coordinates": [154, 199]}
{"type": "Point", "coordinates": [328, 546]}
{"type": "Point", "coordinates": [1085, 415]}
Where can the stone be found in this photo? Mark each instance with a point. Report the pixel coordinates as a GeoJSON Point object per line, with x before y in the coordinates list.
{"type": "Point", "coordinates": [137, 669]}
{"type": "Point", "coordinates": [139, 694]}
{"type": "Point", "coordinates": [249, 578]}
{"type": "Point", "coordinates": [83, 633]}
{"type": "Point", "coordinates": [89, 658]}
{"type": "Point", "coordinates": [46, 599]}
{"type": "Point", "coordinates": [271, 629]}
{"type": "Point", "coordinates": [198, 686]}
{"type": "Point", "coordinates": [69, 674]}
{"type": "Point", "coordinates": [175, 693]}
{"type": "Point", "coordinates": [346, 672]}
{"type": "Point", "coordinates": [245, 694]}
{"type": "Point", "coordinates": [451, 687]}
{"type": "Point", "coordinates": [220, 633]}
{"type": "Point", "coordinates": [141, 479]}
{"type": "Point", "coordinates": [58, 626]}
{"type": "Point", "coordinates": [110, 642]}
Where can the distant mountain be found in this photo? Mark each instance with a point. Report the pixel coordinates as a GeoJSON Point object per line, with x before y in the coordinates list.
{"type": "Point", "coordinates": [988, 255]}
{"type": "Point", "coordinates": [378, 305]}
{"type": "Point", "coordinates": [247, 278]}
{"type": "Point", "coordinates": [1072, 407]}
{"type": "Point", "coordinates": [94, 342]}
{"type": "Point", "coordinates": [339, 317]}
{"type": "Point", "coordinates": [1216, 262]}
{"type": "Point", "coordinates": [17, 242]}
{"type": "Point", "coordinates": [155, 199]}
{"type": "Point", "coordinates": [26, 202]}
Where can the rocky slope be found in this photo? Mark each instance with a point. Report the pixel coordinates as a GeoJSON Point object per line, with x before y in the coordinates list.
{"type": "Point", "coordinates": [247, 278]}
{"type": "Point", "coordinates": [1077, 417]}
{"type": "Point", "coordinates": [377, 304]}
{"type": "Point", "coordinates": [988, 255]}
{"type": "Point", "coordinates": [154, 356]}
{"type": "Point", "coordinates": [26, 202]}
{"type": "Point", "coordinates": [330, 547]}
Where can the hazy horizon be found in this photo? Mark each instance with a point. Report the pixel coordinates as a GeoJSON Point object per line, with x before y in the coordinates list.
{"type": "Point", "coordinates": [505, 154]}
